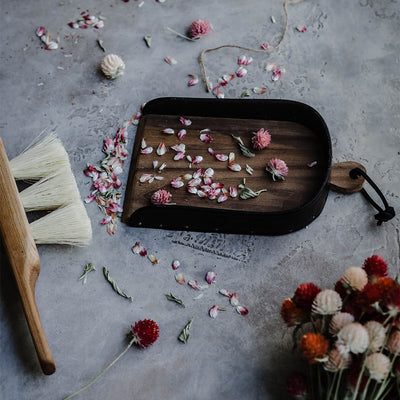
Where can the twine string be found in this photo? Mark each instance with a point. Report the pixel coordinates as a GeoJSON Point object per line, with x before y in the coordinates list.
{"type": "Point", "coordinates": [265, 51]}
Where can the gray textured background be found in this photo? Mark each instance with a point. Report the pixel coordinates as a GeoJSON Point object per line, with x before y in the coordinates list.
{"type": "Point", "coordinates": [346, 66]}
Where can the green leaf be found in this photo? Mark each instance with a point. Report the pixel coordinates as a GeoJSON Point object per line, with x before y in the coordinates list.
{"type": "Point", "coordinates": [171, 297]}
{"type": "Point", "coordinates": [184, 335]}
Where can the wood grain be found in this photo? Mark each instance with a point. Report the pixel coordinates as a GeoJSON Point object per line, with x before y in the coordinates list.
{"type": "Point", "coordinates": [292, 142]}
{"type": "Point", "coordinates": [24, 258]}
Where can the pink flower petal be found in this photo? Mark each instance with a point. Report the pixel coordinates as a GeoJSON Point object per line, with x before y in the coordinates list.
{"type": "Point", "coordinates": [180, 278]}
{"type": "Point", "coordinates": [222, 198]}
{"type": "Point", "coordinates": [181, 134]}
{"type": "Point", "coordinates": [211, 151]}
{"type": "Point", "coordinates": [179, 156]}
{"type": "Point", "coordinates": [197, 160]}
{"type": "Point", "coordinates": [168, 131]}
{"type": "Point", "coordinates": [179, 148]}
{"type": "Point", "coordinates": [147, 150]}
{"type": "Point", "coordinates": [175, 264]}
{"type": "Point", "coordinates": [205, 137]}
{"type": "Point", "coordinates": [233, 192]}
{"type": "Point", "coordinates": [242, 310]}
{"type": "Point", "coordinates": [241, 72]}
{"type": "Point", "coordinates": [301, 28]}
{"type": "Point", "coordinates": [194, 284]}
{"type": "Point", "coordinates": [152, 258]}
{"type": "Point", "coordinates": [276, 75]}
{"type": "Point", "coordinates": [210, 277]}
{"type": "Point", "coordinates": [234, 300]}
{"type": "Point", "coordinates": [235, 167]}
{"type": "Point", "coordinates": [198, 173]}
{"type": "Point", "coordinates": [145, 178]}
{"type": "Point", "coordinates": [170, 60]}
{"type": "Point", "coordinates": [213, 312]}
{"type": "Point", "coordinates": [221, 157]}
{"type": "Point", "coordinates": [177, 183]}
{"type": "Point", "coordinates": [193, 81]}
{"type": "Point", "coordinates": [40, 31]}
{"type": "Point", "coordinates": [271, 66]}
{"type": "Point", "coordinates": [185, 122]}
{"type": "Point", "coordinates": [265, 46]}
{"type": "Point", "coordinates": [161, 149]}
{"type": "Point", "coordinates": [224, 292]}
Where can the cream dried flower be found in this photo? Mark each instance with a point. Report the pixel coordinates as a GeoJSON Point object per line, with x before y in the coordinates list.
{"type": "Point", "coordinates": [112, 66]}
{"type": "Point", "coordinates": [377, 335]}
{"type": "Point", "coordinates": [378, 365]}
{"type": "Point", "coordinates": [393, 344]}
{"type": "Point", "coordinates": [355, 277]}
{"type": "Point", "coordinates": [338, 321]}
{"type": "Point", "coordinates": [337, 361]}
{"type": "Point", "coordinates": [327, 302]}
{"type": "Point", "coordinates": [353, 337]}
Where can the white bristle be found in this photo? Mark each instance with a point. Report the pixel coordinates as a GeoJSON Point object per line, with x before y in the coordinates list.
{"type": "Point", "coordinates": [67, 225]}
{"type": "Point", "coordinates": [40, 159]}
{"type": "Point", "coordinates": [51, 192]}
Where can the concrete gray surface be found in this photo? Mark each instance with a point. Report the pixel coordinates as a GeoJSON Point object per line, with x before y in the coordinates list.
{"type": "Point", "coordinates": [346, 66]}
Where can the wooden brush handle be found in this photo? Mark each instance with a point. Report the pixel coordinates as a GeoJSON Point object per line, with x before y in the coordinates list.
{"type": "Point", "coordinates": [23, 256]}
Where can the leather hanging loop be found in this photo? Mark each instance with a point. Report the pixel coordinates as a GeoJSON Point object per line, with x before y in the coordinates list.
{"type": "Point", "coordinates": [383, 215]}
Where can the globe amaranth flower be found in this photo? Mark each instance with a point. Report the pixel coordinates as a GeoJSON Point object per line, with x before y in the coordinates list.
{"type": "Point", "coordinates": [161, 197]}
{"type": "Point", "coordinates": [369, 295]}
{"type": "Point", "coordinates": [338, 321]}
{"type": "Point", "coordinates": [261, 139]}
{"type": "Point", "coordinates": [378, 365]}
{"type": "Point", "coordinates": [377, 335]}
{"type": "Point", "coordinates": [305, 295]}
{"type": "Point", "coordinates": [277, 168]}
{"type": "Point", "coordinates": [296, 385]}
{"type": "Point", "coordinates": [392, 301]}
{"type": "Point", "coordinates": [291, 314]}
{"type": "Point", "coordinates": [327, 302]}
{"type": "Point", "coordinates": [353, 337]}
{"type": "Point", "coordinates": [393, 343]}
{"type": "Point", "coordinates": [314, 347]}
{"type": "Point", "coordinates": [375, 267]}
{"type": "Point", "coordinates": [337, 361]}
{"type": "Point", "coordinates": [144, 333]}
{"type": "Point", "coordinates": [199, 28]}
{"type": "Point", "coordinates": [355, 278]}
{"type": "Point", "coordinates": [385, 285]}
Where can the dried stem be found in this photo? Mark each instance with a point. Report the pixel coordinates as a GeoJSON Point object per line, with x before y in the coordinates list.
{"type": "Point", "coordinates": [269, 50]}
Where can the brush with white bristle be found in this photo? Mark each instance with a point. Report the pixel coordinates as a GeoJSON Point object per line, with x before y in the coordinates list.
{"type": "Point", "coordinates": [40, 159]}
{"type": "Point", "coordinates": [51, 192]}
{"type": "Point", "coordinates": [68, 224]}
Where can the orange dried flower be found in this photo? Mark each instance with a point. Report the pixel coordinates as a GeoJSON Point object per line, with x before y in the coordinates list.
{"type": "Point", "coordinates": [313, 346]}
{"type": "Point", "coordinates": [291, 314]}
{"type": "Point", "coordinates": [385, 285]}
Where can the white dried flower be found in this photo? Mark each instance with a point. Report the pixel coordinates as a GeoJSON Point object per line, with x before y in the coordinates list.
{"type": "Point", "coordinates": [355, 277]}
{"type": "Point", "coordinates": [327, 302]}
{"type": "Point", "coordinates": [112, 66]}
{"type": "Point", "coordinates": [337, 361]}
{"type": "Point", "coordinates": [393, 344]}
{"type": "Point", "coordinates": [353, 337]}
{"type": "Point", "coordinates": [378, 365]}
{"type": "Point", "coordinates": [377, 335]}
{"type": "Point", "coordinates": [338, 321]}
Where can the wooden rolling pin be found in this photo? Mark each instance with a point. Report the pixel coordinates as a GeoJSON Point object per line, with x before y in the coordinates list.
{"type": "Point", "coordinates": [23, 256]}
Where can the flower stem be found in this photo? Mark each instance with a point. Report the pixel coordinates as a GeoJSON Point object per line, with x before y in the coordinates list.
{"type": "Point", "coordinates": [101, 373]}
{"type": "Point", "coordinates": [331, 386]}
{"type": "Point", "coordinates": [338, 385]}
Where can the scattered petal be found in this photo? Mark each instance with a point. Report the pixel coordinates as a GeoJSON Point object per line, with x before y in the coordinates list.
{"type": "Point", "coordinates": [181, 134]}
{"type": "Point", "coordinates": [192, 190]}
{"type": "Point", "coordinates": [209, 172]}
{"type": "Point", "coordinates": [137, 248]}
{"type": "Point", "coordinates": [155, 164]}
{"type": "Point", "coordinates": [198, 173]}
{"type": "Point", "coordinates": [265, 46]}
{"type": "Point", "coordinates": [276, 75]}
{"type": "Point", "coordinates": [185, 122]}
{"type": "Point", "coordinates": [224, 292]}
{"type": "Point", "coordinates": [177, 183]}
{"type": "Point", "coordinates": [147, 150]}
{"type": "Point", "coordinates": [213, 312]}
{"type": "Point", "coordinates": [179, 156]}
{"type": "Point", "coordinates": [40, 31]}
{"type": "Point", "coordinates": [201, 194]}
{"type": "Point", "coordinates": [210, 277]}
{"type": "Point", "coordinates": [221, 157]}
{"type": "Point", "coordinates": [145, 178]}
{"type": "Point", "coordinates": [170, 60]}
{"type": "Point", "coordinates": [194, 80]}
{"type": "Point", "coordinates": [234, 300]}
{"type": "Point", "coordinates": [233, 192]}
{"type": "Point", "coordinates": [152, 258]}
{"type": "Point", "coordinates": [242, 310]}
{"type": "Point", "coordinates": [249, 170]}
{"type": "Point", "coordinates": [197, 160]}
{"type": "Point", "coordinates": [312, 164]}
{"type": "Point", "coordinates": [205, 137]}
{"type": "Point", "coordinates": [211, 151]}
{"type": "Point", "coordinates": [51, 46]}
{"type": "Point", "coordinates": [301, 28]}
{"type": "Point", "coordinates": [222, 198]}
{"type": "Point", "coordinates": [194, 284]}
{"type": "Point", "coordinates": [241, 72]}
{"type": "Point", "coordinates": [231, 157]}
{"type": "Point", "coordinates": [235, 167]}
{"type": "Point", "coordinates": [179, 148]}
{"type": "Point", "coordinates": [168, 131]}
{"type": "Point", "coordinates": [175, 264]}
{"type": "Point", "coordinates": [225, 79]}
{"type": "Point", "coordinates": [270, 66]}
{"type": "Point", "coordinates": [273, 20]}
{"type": "Point", "coordinates": [180, 278]}
{"type": "Point", "coordinates": [162, 166]}
{"type": "Point", "coordinates": [259, 90]}
{"type": "Point", "coordinates": [199, 296]}
{"type": "Point", "coordinates": [194, 182]}
{"type": "Point", "coordinates": [186, 176]}
{"type": "Point", "coordinates": [161, 149]}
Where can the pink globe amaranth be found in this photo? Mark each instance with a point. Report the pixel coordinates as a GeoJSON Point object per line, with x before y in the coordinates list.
{"type": "Point", "coordinates": [160, 197]}
{"type": "Point", "coordinates": [199, 28]}
{"type": "Point", "coordinates": [261, 139]}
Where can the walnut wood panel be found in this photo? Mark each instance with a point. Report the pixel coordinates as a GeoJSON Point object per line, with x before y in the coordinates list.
{"type": "Point", "coordinates": [292, 142]}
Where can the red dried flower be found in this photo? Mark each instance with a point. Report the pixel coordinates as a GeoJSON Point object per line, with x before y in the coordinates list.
{"type": "Point", "coordinates": [392, 301]}
{"type": "Point", "coordinates": [144, 332]}
{"type": "Point", "coordinates": [313, 346]}
{"type": "Point", "coordinates": [368, 296]}
{"type": "Point", "coordinates": [296, 385]}
{"type": "Point", "coordinates": [291, 314]}
{"type": "Point", "coordinates": [199, 28]}
{"type": "Point", "coordinates": [161, 197]}
{"type": "Point", "coordinates": [261, 139]}
{"type": "Point", "coordinates": [342, 289]}
{"type": "Point", "coordinates": [385, 285]}
{"type": "Point", "coordinates": [375, 267]}
{"type": "Point", "coordinates": [305, 295]}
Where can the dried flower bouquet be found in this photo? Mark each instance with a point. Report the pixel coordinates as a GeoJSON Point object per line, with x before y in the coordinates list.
{"type": "Point", "coordinates": [350, 336]}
